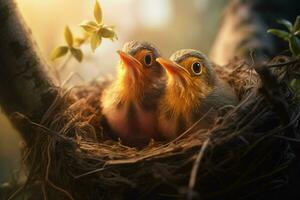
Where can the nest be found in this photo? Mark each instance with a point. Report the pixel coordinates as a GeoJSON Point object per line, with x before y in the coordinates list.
{"type": "Point", "coordinates": [250, 153]}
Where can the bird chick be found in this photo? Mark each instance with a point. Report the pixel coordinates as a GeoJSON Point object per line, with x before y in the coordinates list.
{"type": "Point", "coordinates": [130, 102]}
{"type": "Point", "coordinates": [193, 90]}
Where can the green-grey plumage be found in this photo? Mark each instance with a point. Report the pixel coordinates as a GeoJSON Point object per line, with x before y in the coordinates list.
{"type": "Point", "coordinates": [182, 54]}
{"type": "Point", "coordinates": [134, 46]}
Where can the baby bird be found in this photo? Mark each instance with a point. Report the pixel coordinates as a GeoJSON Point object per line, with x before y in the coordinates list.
{"type": "Point", "coordinates": [192, 90]}
{"type": "Point", "coordinates": [130, 102]}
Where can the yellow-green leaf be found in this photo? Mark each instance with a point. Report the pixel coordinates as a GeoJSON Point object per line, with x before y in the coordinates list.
{"type": "Point", "coordinates": [79, 41]}
{"type": "Point", "coordinates": [68, 36]}
{"type": "Point", "coordinates": [95, 41]}
{"type": "Point", "coordinates": [59, 52]}
{"type": "Point", "coordinates": [107, 32]}
{"type": "Point", "coordinates": [280, 33]}
{"type": "Point", "coordinates": [98, 12]}
{"type": "Point", "coordinates": [89, 26]}
{"type": "Point", "coordinates": [77, 54]}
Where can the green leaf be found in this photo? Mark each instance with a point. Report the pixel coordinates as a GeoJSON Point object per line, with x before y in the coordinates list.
{"type": "Point", "coordinates": [293, 83]}
{"type": "Point", "coordinates": [68, 36]}
{"type": "Point", "coordinates": [279, 33]}
{"type": "Point", "coordinates": [77, 54]}
{"type": "Point", "coordinates": [89, 26]}
{"type": "Point", "coordinates": [297, 25]}
{"type": "Point", "coordinates": [98, 12]}
{"type": "Point", "coordinates": [286, 23]}
{"type": "Point", "coordinates": [59, 52]}
{"type": "Point", "coordinates": [294, 45]}
{"type": "Point", "coordinates": [95, 41]}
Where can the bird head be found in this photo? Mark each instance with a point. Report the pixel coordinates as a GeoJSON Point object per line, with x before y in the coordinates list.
{"type": "Point", "coordinates": [138, 69]}
{"type": "Point", "coordinates": [190, 77]}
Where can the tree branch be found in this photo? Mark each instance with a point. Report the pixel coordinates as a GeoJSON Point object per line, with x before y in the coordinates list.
{"type": "Point", "coordinates": [25, 86]}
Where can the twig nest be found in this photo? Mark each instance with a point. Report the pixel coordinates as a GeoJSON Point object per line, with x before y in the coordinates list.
{"type": "Point", "coordinates": [245, 154]}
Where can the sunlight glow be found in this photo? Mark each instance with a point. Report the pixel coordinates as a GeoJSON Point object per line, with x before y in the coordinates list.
{"type": "Point", "coordinates": [155, 13]}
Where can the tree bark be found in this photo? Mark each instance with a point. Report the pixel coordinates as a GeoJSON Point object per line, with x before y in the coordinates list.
{"type": "Point", "coordinates": [25, 86]}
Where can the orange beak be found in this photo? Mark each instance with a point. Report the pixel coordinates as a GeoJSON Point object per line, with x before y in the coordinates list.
{"type": "Point", "coordinates": [130, 63]}
{"type": "Point", "coordinates": [173, 69]}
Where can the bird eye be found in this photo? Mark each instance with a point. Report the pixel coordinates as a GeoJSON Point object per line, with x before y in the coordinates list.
{"type": "Point", "coordinates": [197, 68]}
{"type": "Point", "coordinates": [148, 59]}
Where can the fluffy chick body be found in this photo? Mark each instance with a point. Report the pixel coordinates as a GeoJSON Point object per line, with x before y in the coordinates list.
{"type": "Point", "coordinates": [190, 95]}
{"type": "Point", "coordinates": [130, 102]}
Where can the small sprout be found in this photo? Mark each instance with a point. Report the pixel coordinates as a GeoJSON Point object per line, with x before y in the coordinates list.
{"type": "Point", "coordinates": [63, 50]}
{"type": "Point", "coordinates": [291, 35]}
{"type": "Point", "coordinates": [94, 31]}
{"type": "Point", "coordinates": [97, 29]}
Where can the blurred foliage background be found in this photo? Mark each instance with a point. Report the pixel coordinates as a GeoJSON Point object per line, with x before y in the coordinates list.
{"type": "Point", "coordinates": [170, 24]}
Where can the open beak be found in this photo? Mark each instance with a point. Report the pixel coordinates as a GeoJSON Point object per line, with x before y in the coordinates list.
{"type": "Point", "coordinates": [129, 62]}
{"type": "Point", "coordinates": [173, 69]}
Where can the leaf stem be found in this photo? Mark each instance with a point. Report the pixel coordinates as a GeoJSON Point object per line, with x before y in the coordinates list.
{"type": "Point", "coordinates": [59, 69]}
{"type": "Point", "coordinates": [65, 63]}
